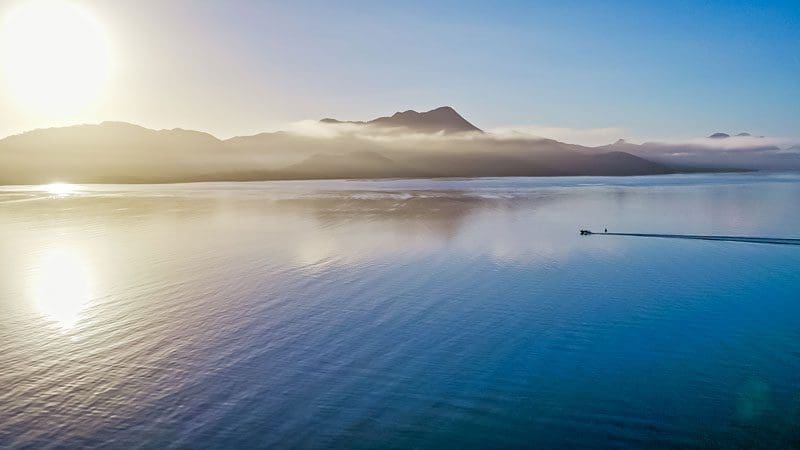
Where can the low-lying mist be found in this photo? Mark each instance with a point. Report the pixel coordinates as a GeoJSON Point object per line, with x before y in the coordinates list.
{"type": "Point", "coordinates": [438, 143]}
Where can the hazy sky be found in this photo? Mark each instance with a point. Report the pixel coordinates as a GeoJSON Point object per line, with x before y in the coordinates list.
{"type": "Point", "coordinates": [639, 68]}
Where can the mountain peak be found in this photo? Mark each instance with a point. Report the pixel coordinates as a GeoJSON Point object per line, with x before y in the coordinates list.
{"type": "Point", "coordinates": [719, 136]}
{"type": "Point", "coordinates": [443, 119]}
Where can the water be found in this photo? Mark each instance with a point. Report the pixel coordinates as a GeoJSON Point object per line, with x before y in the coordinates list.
{"type": "Point", "coordinates": [396, 314]}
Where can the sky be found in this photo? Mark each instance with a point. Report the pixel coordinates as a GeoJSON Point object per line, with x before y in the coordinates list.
{"type": "Point", "coordinates": [585, 71]}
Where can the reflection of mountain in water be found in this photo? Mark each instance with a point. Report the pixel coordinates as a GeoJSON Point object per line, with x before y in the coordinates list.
{"type": "Point", "coordinates": [408, 213]}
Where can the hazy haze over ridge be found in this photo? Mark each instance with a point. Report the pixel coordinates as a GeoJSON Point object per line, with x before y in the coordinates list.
{"type": "Point", "coordinates": [436, 143]}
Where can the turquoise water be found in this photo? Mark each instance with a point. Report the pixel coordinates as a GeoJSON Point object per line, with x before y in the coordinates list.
{"type": "Point", "coordinates": [396, 314]}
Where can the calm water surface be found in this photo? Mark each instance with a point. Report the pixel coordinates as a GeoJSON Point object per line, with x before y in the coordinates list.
{"type": "Point", "coordinates": [396, 314]}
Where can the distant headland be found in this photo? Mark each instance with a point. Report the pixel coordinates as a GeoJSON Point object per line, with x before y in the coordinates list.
{"type": "Point", "coordinates": [435, 143]}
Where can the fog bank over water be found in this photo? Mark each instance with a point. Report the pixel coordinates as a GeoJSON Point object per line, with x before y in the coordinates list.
{"type": "Point", "coordinates": [742, 151]}
{"type": "Point", "coordinates": [436, 143]}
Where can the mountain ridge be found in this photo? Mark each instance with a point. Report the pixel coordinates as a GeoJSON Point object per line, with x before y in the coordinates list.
{"type": "Point", "coordinates": [120, 152]}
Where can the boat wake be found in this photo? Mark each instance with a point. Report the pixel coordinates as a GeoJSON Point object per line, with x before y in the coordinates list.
{"type": "Point", "coordinates": [749, 239]}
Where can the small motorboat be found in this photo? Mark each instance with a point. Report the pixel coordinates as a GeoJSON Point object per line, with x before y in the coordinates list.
{"type": "Point", "coordinates": [585, 232]}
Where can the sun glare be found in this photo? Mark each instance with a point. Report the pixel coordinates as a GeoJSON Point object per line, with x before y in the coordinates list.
{"type": "Point", "coordinates": [55, 57]}
{"type": "Point", "coordinates": [61, 286]}
{"type": "Point", "coordinates": [60, 189]}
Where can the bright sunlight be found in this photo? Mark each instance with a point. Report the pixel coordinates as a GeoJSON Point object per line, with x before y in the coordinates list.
{"type": "Point", "coordinates": [59, 189]}
{"type": "Point", "coordinates": [61, 286]}
{"type": "Point", "coordinates": [55, 57]}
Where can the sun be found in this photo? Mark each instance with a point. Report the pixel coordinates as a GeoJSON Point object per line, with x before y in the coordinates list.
{"type": "Point", "coordinates": [54, 57]}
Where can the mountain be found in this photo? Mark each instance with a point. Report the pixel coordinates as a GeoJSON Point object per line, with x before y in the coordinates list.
{"type": "Point", "coordinates": [719, 136]}
{"type": "Point", "coordinates": [741, 153]}
{"type": "Point", "coordinates": [436, 143]}
{"type": "Point", "coordinates": [109, 152]}
{"type": "Point", "coordinates": [359, 164]}
{"type": "Point", "coordinates": [443, 119]}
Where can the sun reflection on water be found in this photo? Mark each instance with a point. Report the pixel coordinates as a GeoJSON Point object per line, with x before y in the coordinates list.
{"type": "Point", "coordinates": [61, 286]}
{"type": "Point", "coordinates": [60, 189]}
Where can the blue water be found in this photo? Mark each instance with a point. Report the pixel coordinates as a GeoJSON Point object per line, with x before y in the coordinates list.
{"type": "Point", "coordinates": [397, 314]}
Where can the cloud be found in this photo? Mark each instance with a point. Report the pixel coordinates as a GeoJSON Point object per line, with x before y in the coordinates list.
{"type": "Point", "coordinates": [318, 129]}
{"type": "Point", "coordinates": [734, 143]}
{"type": "Point", "coordinates": [582, 136]}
